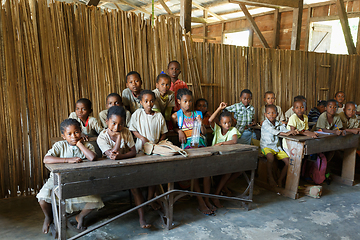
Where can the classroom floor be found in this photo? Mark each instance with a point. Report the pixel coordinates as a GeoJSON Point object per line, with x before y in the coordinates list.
{"type": "Point", "coordinates": [336, 215]}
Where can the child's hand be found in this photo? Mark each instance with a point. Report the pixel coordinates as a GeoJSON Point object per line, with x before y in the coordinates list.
{"type": "Point", "coordinates": [218, 144]}
{"type": "Point", "coordinates": [338, 132]}
{"type": "Point", "coordinates": [84, 137]}
{"type": "Point", "coordinates": [222, 105]}
{"type": "Point", "coordinates": [115, 155]}
{"type": "Point", "coordinates": [343, 132]}
{"type": "Point", "coordinates": [198, 118]}
{"type": "Point", "coordinates": [182, 137]}
{"type": "Point", "coordinates": [291, 132]}
{"type": "Point", "coordinates": [252, 123]}
{"type": "Point", "coordinates": [314, 134]}
{"type": "Point", "coordinates": [144, 140]}
{"type": "Point", "coordinates": [74, 160]}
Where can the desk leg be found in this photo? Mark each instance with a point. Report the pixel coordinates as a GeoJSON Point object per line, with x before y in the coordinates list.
{"type": "Point", "coordinates": [251, 190]}
{"type": "Point", "coordinates": [62, 219]}
{"type": "Point", "coordinates": [170, 211]}
{"type": "Point", "coordinates": [348, 168]}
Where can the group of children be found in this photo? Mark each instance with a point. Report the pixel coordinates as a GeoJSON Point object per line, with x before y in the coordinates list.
{"type": "Point", "coordinates": [147, 115]}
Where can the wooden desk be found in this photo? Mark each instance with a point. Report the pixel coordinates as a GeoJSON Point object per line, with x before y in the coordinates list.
{"type": "Point", "coordinates": [99, 177]}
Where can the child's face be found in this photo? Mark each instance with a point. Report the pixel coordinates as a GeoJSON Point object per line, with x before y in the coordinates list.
{"type": "Point", "coordinates": [269, 99]}
{"type": "Point", "coordinates": [245, 99]}
{"type": "Point", "coordinates": [115, 124]}
{"type": "Point", "coordinates": [174, 70]}
{"type": "Point", "coordinates": [299, 108]}
{"type": "Point", "coordinates": [72, 134]}
{"type": "Point", "coordinates": [271, 114]}
{"type": "Point", "coordinates": [340, 97]}
{"type": "Point", "coordinates": [147, 101]}
{"type": "Point", "coordinates": [185, 102]}
{"type": "Point", "coordinates": [163, 85]}
{"type": "Point", "coordinates": [350, 110]}
{"type": "Point", "coordinates": [225, 123]}
{"type": "Point", "coordinates": [331, 108]}
{"type": "Point", "coordinates": [133, 82]}
{"type": "Point", "coordinates": [113, 101]}
{"type": "Point", "coordinates": [82, 111]}
{"type": "Point", "coordinates": [201, 106]}
{"type": "Point", "coordinates": [321, 108]}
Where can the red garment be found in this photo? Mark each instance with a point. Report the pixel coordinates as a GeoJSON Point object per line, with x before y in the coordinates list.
{"type": "Point", "coordinates": [179, 84]}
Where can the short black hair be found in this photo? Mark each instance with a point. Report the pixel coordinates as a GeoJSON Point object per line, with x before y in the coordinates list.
{"type": "Point", "coordinates": [271, 106]}
{"type": "Point", "coordinates": [113, 95]}
{"type": "Point", "coordinates": [163, 75]}
{"type": "Point", "coordinates": [299, 98]}
{"type": "Point", "coordinates": [302, 101]}
{"type": "Point", "coordinates": [117, 111]}
{"type": "Point", "coordinates": [269, 92]}
{"type": "Point", "coordinates": [339, 92]}
{"type": "Point", "coordinates": [69, 122]}
{"type": "Point", "coordinates": [332, 100]}
{"type": "Point", "coordinates": [143, 92]}
{"type": "Point", "coordinates": [183, 91]}
{"type": "Point", "coordinates": [246, 91]}
{"type": "Point", "coordinates": [351, 103]}
{"type": "Point", "coordinates": [133, 73]}
{"type": "Point", "coordinates": [173, 61]}
{"type": "Point", "coordinates": [225, 113]}
{"type": "Point", "coordinates": [85, 101]}
{"type": "Point", "coordinates": [321, 103]}
{"type": "Point", "coordinates": [201, 99]}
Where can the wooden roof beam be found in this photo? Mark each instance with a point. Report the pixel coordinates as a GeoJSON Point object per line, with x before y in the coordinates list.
{"type": "Point", "coordinates": [296, 26]}
{"type": "Point", "coordinates": [345, 26]}
{"type": "Point", "coordinates": [167, 9]}
{"type": "Point", "coordinates": [123, 2]}
{"type": "Point", "coordinates": [210, 12]}
{"type": "Point", "coordinates": [269, 3]}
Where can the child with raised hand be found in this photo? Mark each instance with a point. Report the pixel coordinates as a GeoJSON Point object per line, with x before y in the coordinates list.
{"type": "Point", "coordinates": [202, 104]}
{"type": "Point", "coordinates": [71, 150]}
{"type": "Point", "coordinates": [290, 111]}
{"type": "Point", "coordinates": [315, 112]}
{"type": "Point", "coordinates": [130, 95]}
{"type": "Point", "coordinates": [164, 97]}
{"type": "Point", "coordinates": [330, 121]}
{"type": "Point", "coordinates": [89, 125]}
{"type": "Point", "coordinates": [349, 119]}
{"type": "Point", "coordinates": [340, 98]}
{"type": "Point", "coordinates": [174, 70]}
{"type": "Point", "coordinates": [269, 99]}
{"type": "Point", "coordinates": [113, 99]}
{"type": "Point", "coordinates": [244, 115]}
{"type": "Point", "coordinates": [270, 144]}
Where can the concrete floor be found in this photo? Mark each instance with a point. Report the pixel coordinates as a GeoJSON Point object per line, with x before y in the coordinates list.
{"type": "Point", "coordinates": [335, 216]}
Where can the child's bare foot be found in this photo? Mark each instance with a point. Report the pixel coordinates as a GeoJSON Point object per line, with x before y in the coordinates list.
{"type": "Point", "coordinates": [217, 203]}
{"type": "Point", "coordinates": [80, 220]}
{"type": "Point", "coordinates": [155, 206]}
{"type": "Point", "coordinates": [144, 225]}
{"type": "Point", "coordinates": [47, 222]}
{"type": "Point", "coordinates": [210, 206]}
{"type": "Point", "coordinates": [204, 209]}
{"type": "Point", "coordinates": [272, 182]}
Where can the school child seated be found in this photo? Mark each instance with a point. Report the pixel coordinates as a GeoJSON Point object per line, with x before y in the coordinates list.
{"type": "Point", "coordinates": [270, 145]}
{"type": "Point", "coordinates": [113, 99]}
{"type": "Point", "coordinates": [244, 115]}
{"type": "Point", "coordinates": [202, 105]}
{"type": "Point", "coordinates": [183, 123]}
{"type": "Point", "coordinates": [72, 150]}
{"type": "Point", "coordinates": [349, 119]}
{"type": "Point", "coordinates": [290, 111]}
{"type": "Point", "coordinates": [176, 84]}
{"type": "Point", "coordinates": [340, 98]}
{"type": "Point", "coordinates": [269, 99]}
{"type": "Point", "coordinates": [89, 125]}
{"type": "Point", "coordinates": [164, 97]}
{"type": "Point", "coordinates": [315, 112]}
{"type": "Point", "coordinates": [130, 95]}
{"type": "Point", "coordinates": [329, 121]}
{"type": "Point", "coordinates": [224, 134]}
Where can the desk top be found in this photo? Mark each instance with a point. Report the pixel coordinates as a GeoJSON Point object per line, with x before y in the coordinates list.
{"type": "Point", "coordinates": [302, 138]}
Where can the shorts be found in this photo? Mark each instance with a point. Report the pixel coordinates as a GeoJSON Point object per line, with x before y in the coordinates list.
{"type": "Point", "coordinates": [279, 155]}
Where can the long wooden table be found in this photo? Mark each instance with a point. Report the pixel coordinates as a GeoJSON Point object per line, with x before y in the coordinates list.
{"type": "Point", "coordinates": [100, 177]}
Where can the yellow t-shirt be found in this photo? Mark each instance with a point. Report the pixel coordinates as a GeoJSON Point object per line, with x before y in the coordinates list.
{"type": "Point", "coordinates": [300, 125]}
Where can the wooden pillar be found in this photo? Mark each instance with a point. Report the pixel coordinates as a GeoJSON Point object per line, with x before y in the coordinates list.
{"type": "Point", "coordinates": [276, 28]}
{"type": "Point", "coordinates": [307, 33]}
{"type": "Point", "coordinates": [205, 14]}
{"type": "Point", "coordinates": [358, 40]}
{"type": "Point", "coordinates": [345, 26]}
{"type": "Point", "coordinates": [185, 14]}
{"type": "Point", "coordinates": [296, 27]}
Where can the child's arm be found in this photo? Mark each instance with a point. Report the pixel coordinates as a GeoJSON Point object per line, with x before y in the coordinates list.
{"type": "Point", "coordinates": [337, 131]}
{"type": "Point", "coordinates": [90, 155]}
{"type": "Point", "coordinates": [305, 132]}
{"type": "Point", "coordinates": [52, 159]}
{"type": "Point", "coordinates": [141, 137]}
{"type": "Point", "coordinates": [117, 156]}
{"type": "Point", "coordinates": [182, 137]}
{"type": "Point", "coordinates": [202, 129]}
{"type": "Point", "coordinates": [352, 130]}
{"type": "Point", "coordinates": [221, 107]}
{"type": "Point", "coordinates": [231, 142]}
{"type": "Point", "coordinates": [291, 132]}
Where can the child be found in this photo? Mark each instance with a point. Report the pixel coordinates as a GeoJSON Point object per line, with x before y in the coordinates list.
{"type": "Point", "coordinates": [290, 111]}
{"type": "Point", "coordinates": [176, 84]}
{"type": "Point", "coordinates": [315, 112]}
{"type": "Point", "coordinates": [329, 121]}
{"type": "Point", "coordinates": [72, 150]}
{"type": "Point", "coordinates": [89, 125]}
{"type": "Point", "coordinates": [224, 134]}
{"type": "Point", "coordinates": [349, 119]}
{"type": "Point", "coordinates": [269, 99]}
{"type": "Point", "coordinates": [132, 91]}
{"type": "Point", "coordinates": [164, 98]}
{"type": "Point", "coordinates": [113, 99]}
{"type": "Point", "coordinates": [244, 115]}
{"type": "Point", "coordinates": [202, 105]}
{"type": "Point", "coordinates": [340, 98]}
{"type": "Point", "coordinates": [270, 145]}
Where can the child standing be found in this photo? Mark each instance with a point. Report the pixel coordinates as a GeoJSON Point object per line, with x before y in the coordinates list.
{"type": "Point", "coordinates": [315, 112]}
{"type": "Point", "coordinates": [244, 115]}
{"type": "Point", "coordinates": [113, 99]}
{"type": "Point", "coordinates": [270, 145]}
{"type": "Point", "coordinates": [89, 125]}
{"type": "Point", "coordinates": [132, 91]}
{"type": "Point", "coordinates": [72, 150]}
{"type": "Point", "coordinates": [330, 121]}
{"type": "Point", "coordinates": [340, 98]}
{"type": "Point", "coordinates": [269, 99]}
{"type": "Point", "coordinates": [349, 119]}
{"type": "Point", "coordinates": [202, 105]}
{"type": "Point", "coordinates": [176, 84]}
{"type": "Point", "coordinates": [290, 111]}
{"type": "Point", "coordinates": [164, 97]}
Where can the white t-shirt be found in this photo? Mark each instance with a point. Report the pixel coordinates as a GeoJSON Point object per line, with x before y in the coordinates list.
{"type": "Point", "coordinates": [105, 142]}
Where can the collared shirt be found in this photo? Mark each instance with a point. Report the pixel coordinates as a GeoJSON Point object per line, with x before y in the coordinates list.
{"type": "Point", "coordinates": [105, 142]}
{"type": "Point", "coordinates": [349, 123]}
{"type": "Point", "coordinates": [129, 100]}
{"type": "Point", "coordinates": [323, 122]}
{"type": "Point", "coordinates": [243, 115]}
{"type": "Point", "coordinates": [279, 117]}
{"type": "Point", "coordinates": [91, 127]}
{"type": "Point", "coordinates": [163, 102]}
{"type": "Point", "coordinates": [63, 149]}
{"type": "Point", "coordinates": [269, 135]}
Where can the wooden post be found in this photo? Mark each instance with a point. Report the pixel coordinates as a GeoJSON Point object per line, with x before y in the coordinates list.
{"type": "Point", "coordinates": [307, 34]}
{"type": "Point", "coordinates": [345, 26]}
{"type": "Point", "coordinates": [276, 28]}
{"type": "Point", "coordinates": [358, 40]}
{"type": "Point", "coordinates": [296, 27]}
{"type": "Point", "coordinates": [185, 14]}
{"type": "Point", "coordinates": [205, 14]}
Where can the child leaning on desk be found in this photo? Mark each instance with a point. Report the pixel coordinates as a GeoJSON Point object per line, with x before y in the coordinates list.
{"type": "Point", "coordinates": [71, 150]}
{"type": "Point", "coordinates": [349, 119]}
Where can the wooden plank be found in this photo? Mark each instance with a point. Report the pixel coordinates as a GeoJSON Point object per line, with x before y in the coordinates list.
{"type": "Point", "coordinates": [296, 27]}
{"type": "Point", "coordinates": [345, 26]}
{"type": "Point", "coordinates": [348, 167]}
{"type": "Point", "coordinates": [358, 40]}
{"type": "Point", "coordinates": [294, 168]}
{"type": "Point", "coordinates": [276, 30]}
{"type": "Point", "coordinates": [331, 143]}
{"type": "Point", "coordinates": [185, 14]}
{"type": "Point", "coordinates": [167, 9]}
{"type": "Point", "coordinates": [269, 3]}
{"type": "Point", "coordinates": [254, 26]}
{"type": "Point", "coordinates": [307, 29]}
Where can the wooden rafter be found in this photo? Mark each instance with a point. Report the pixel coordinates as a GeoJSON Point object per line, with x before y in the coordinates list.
{"type": "Point", "coordinates": [210, 12]}
{"type": "Point", "coordinates": [296, 27]}
{"type": "Point", "coordinates": [269, 3]}
{"type": "Point", "coordinates": [123, 2]}
{"type": "Point", "coordinates": [345, 26]}
{"type": "Point", "coordinates": [167, 9]}
{"type": "Point", "coordinates": [276, 35]}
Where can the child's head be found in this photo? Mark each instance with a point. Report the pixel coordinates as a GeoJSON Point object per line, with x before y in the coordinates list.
{"type": "Point", "coordinates": [340, 97]}
{"type": "Point", "coordinates": [184, 98]}
{"type": "Point", "coordinates": [299, 98]}
{"type": "Point", "coordinates": [331, 107]}
{"type": "Point", "coordinates": [299, 108]}
{"type": "Point", "coordinates": [113, 99]}
{"type": "Point", "coordinates": [70, 131]}
{"type": "Point", "coordinates": [83, 108]}
{"type": "Point", "coordinates": [225, 120]}
{"type": "Point", "coordinates": [321, 106]}
{"type": "Point", "coordinates": [350, 109]}
{"type": "Point", "coordinates": [271, 112]}
{"type": "Point", "coordinates": [245, 97]}
{"type": "Point", "coordinates": [133, 81]}
{"type": "Point", "coordinates": [147, 98]}
{"type": "Point", "coordinates": [174, 70]}
{"type": "Point", "coordinates": [269, 98]}
{"type": "Point", "coordinates": [201, 105]}
{"type": "Point", "coordinates": [116, 118]}
{"type": "Point", "coordinates": [163, 83]}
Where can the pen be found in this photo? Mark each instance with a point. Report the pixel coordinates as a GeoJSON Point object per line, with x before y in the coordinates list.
{"type": "Point", "coordinates": [337, 127]}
